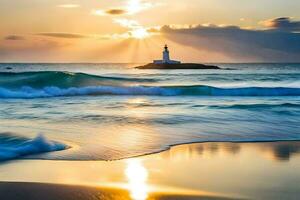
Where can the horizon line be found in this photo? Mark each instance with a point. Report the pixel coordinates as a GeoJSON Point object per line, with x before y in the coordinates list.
{"type": "Point", "coordinates": [145, 62]}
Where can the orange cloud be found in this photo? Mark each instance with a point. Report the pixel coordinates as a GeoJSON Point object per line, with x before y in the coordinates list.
{"type": "Point", "coordinates": [282, 23]}
{"type": "Point", "coordinates": [116, 11]}
{"type": "Point", "coordinates": [14, 37]}
{"type": "Point", "coordinates": [64, 35]}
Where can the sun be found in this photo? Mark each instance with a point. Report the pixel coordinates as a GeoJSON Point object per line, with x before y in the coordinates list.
{"type": "Point", "coordinates": [139, 33]}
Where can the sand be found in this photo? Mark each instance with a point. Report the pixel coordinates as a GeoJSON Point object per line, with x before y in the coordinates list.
{"type": "Point", "coordinates": [267, 170]}
{"type": "Point", "coordinates": [39, 191]}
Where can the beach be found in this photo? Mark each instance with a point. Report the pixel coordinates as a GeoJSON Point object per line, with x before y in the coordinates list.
{"type": "Point", "coordinates": [19, 191]}
{"type": "Point", "coordinates": [150, 100]}
{"type": "Point", "coordinates": [192, 171]}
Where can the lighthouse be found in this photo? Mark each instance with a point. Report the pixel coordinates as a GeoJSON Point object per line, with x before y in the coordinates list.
{"type": "Point", "coordinates": [166, 58]}
{"type": "Point", "coordinates": [167, 63]}
{"type": "Point", "coordinates": [166, 54]}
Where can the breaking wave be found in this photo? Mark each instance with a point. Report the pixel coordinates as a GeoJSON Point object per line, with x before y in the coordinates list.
{"type": "Point", "coordinates": [12, 146]}
{"type": "Point", "coordinates": [55, 84]}
{"type": "Point", "coordinates": [51, 91]}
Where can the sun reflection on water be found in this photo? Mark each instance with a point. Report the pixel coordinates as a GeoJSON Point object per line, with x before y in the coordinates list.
{"type": "Point", "coordinates": [137, 176]}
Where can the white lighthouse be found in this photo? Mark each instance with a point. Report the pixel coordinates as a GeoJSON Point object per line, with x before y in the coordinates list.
{"type": "Point", "coordinates": [166, 54]}
{"type": "Point", "coordinates": [166, 58]}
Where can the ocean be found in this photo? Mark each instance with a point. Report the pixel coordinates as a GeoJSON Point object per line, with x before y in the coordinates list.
{"type": "Point", "coordinates": [113, 111]}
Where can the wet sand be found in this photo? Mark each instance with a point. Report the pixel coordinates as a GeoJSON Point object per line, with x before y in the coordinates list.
{"type": "Point", "coordinates": [38, 191]}
{"type": "Point", "coordinates": [192, 171]}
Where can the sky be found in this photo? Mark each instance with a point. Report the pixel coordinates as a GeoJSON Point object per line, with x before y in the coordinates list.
{"type": "Point", "coordinates": [123, 31]}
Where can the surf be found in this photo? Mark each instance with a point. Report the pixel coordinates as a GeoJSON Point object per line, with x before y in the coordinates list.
{"type": "Point", "coordinates": [13, 146]}
{"type": "Point", "coordinates": [27, 92]}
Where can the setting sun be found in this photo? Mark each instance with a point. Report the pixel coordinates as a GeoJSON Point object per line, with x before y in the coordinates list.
{"type": "Point", "coordinates": [139, 33]}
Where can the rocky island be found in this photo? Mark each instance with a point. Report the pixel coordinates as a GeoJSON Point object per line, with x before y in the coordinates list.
{"type": "Point", "coordinates": [167, 63]}
{"type": "Point", "coordinates": [177, 66]}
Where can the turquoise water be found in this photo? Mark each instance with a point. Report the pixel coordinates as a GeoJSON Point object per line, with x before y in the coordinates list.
{"type": "Point", "coordinates": [112, 111]}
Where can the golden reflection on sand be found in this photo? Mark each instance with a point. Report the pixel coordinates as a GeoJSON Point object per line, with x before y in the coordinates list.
{"type": "Point", "coordinates": [137, 176]}
{"type": "Point", "coordinates": [236, 170]}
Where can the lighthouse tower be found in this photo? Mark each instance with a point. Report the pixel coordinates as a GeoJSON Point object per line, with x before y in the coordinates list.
{"type": "Point", "coordinates": [166, 55]}
{"type": "Point", "coordinates": [166, 58]}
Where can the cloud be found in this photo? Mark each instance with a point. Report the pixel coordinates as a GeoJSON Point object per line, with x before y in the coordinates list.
{"type": "Point", "coordinates": [98, 12]}
{"type": "Point", "coordinates": [64, 35]}
{"type": "Point", "coordinates": [31, 49]}
{"type": "Point", "coordinates": [14, 37]}
{"type": "Point", "coordinates": [153, 30]}
{"type": "Point", "coordinates": [283, 24]}
{"type": "Point", "coordinates": [69, 6]}
{"type": "Point", "coordinates": [127, 23]}
{"type": "Point", "coordinates": [239, 44]}
{"type": "Point", "coordinates": [132, 7]}
{"type": "Point", "coordinates": [136, 30]}
{"type": "Point", "coordinates": [136, 6]}
{"type": "Point", "coordinates": [115, 11]}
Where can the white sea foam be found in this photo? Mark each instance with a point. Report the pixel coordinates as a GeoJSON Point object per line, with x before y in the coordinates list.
{"type": "Point", "coordinates": [25, 147]}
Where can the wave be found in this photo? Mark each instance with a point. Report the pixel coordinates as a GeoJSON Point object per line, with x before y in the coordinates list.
{"type": "Point", "coordinates": [45, 84]}
{"type": "Point", "coordinates": [62, 79]}
{"type": "Point", "coordinates": [29, 92]}
{"type": "Point", "coordinates": [252, 106]}
{"type": "Point", "coordinates": [12, 146]}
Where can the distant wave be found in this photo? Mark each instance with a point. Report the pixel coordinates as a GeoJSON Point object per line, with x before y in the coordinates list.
{"type": "Point", "coordinates": [29, 92]}
{"type": "Point", "coordinates": [253, 106]}
{"type": "Point", "coordinates": [12, 146]}
{"type": "Point", "coordinates": [56, 83]}
{"type": "Point", "coordinates": [61, 79]}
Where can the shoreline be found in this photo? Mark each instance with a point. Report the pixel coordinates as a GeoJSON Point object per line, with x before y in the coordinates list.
{"type": "Point", "coordinates": [216, 170]}
{"type": "Point", "coordinates": [212, 142]}
{"type": "Point", "coordinates": [168, 147]}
